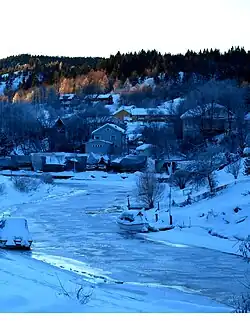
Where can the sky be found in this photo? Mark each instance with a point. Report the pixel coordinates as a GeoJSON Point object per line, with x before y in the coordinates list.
{"type": "Point", "coordinates": [103, 27]}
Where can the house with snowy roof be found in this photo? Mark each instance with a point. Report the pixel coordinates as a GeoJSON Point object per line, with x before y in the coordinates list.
{"type": "Point", "coordinates": [108, 139]}
{"type": "Point", "coordinates": [163, 113]}
{"type": "Point", "coordinates": [105, 98]}
{"type": "Point", "coordinates": [69, 100]}
{"type": "Point", "coordinates": [208, 120]}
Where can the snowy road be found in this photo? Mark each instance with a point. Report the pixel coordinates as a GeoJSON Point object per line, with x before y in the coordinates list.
{"type": "Point", "coordinates": [78, 228]}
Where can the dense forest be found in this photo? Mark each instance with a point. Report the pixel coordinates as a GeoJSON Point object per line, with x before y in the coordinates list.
{"type": "Point", "coordinates": [233, 64]}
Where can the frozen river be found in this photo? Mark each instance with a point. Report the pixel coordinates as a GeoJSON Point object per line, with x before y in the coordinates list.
{"type": "Point", "coordinates": [82, 227]}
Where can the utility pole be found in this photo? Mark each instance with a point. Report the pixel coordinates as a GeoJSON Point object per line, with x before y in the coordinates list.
{"type": "Point", "coordinates": [170, 194]}
{"type": "Point", "coordinates": [75, 160]}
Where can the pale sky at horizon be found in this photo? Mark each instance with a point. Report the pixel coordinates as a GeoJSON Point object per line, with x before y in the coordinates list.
{"type": "Point", "coordinates": [101, 28]}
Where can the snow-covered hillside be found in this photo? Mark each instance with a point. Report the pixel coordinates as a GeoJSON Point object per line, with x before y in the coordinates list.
{"type": "Point", "coordinates": [13, 81]}
{"type": "Point", "coordinates": [220, 222]}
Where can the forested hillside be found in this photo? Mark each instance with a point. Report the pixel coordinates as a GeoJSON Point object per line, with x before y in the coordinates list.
{"type": "Point", "coordinates": [36, 70]}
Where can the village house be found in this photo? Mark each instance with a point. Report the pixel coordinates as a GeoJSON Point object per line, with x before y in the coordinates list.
{"type": "Point", "coordinates": [69, 100]}
{"type": "Point", "coordinates": [132, 113]}
{"type": "Point", "coordinates": [57, 135]}
{"type": "Point", "coordinates": [209, 120]}
{"type": "Point", "coordinates": [61, 137]}
{"type": "Point", "coordinates": [107, 140]}
{"type": "Point", "coordinates": [105, 98]}
{"type": "Point", "coordinates": [163, 113]}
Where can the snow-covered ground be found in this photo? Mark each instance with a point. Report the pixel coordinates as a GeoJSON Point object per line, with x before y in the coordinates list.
{"type": "Point", "coordinates": [73, 224]}
{"type": "Point", "coordinates": [212, 223]}
{"type": "Point", "coordinates": [28, 285]}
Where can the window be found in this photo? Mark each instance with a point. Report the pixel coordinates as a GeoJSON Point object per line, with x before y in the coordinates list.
{"type": "Point", "coordinates": [97, 137]}
{"type": "Point", "coordinates": [107, 129]}
{"type": "Point", "coordinates": [97, 146]}
{"type": "Point", "coordinates": [113, 137]}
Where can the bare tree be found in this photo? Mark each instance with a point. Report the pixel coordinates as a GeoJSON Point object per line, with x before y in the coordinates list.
{"type": "Point", "coordinates": [234, 169]}
{"type": "Point", "coordinates": [205, 164]}
{"type": "Point", "coordinates": [20, 124]}
{"type": "Point", "coordinates": [149, 190]}
{"type": "Point", "coordinates": [181, 178]}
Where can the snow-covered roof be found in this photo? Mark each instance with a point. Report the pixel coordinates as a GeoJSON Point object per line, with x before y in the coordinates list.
{"type": "Point", "coordinates": [247, 116]}
{"type": "Point", "coordinates": [104, 96]}
{"type": "Point", "coordinates": [167, 108]}
{"type": "Point", "coordinates": [66, 96]}
{"type": "Point", "coordinates": [111, 108]}
{"type": "Point", "coordinates": [146, 111]}
{"type": "Point", "coordinates": [97, 96]}
{"type": "Point", "coordinates": [170, 106]}
{"type": "Point", "coordinates": [56, 120]}
{"type": "Point", "coordinates": [144, 147]}
{"type": "Point", "coordinates": [124, 108]}
{"type": "Point", "coordinates": [116, 98]}
{"type": "Point", "coordinates": [246, 150]}
{"type": "Point", "coordinates": [195, 112]}
{"type": "Point", "coordinates": [110, 125]}
{"type": "Point", "coordinates": [134, 127]}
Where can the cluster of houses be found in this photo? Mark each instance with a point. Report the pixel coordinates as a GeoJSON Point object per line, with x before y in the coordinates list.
{"type": "Point", "coordinates": [111, 139]}
{"type": "Point", "coordinates": [72, 100]}
{"type": "Point", "coordinates": [123, 144]}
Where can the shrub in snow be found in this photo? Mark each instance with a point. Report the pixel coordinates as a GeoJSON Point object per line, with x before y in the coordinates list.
{"type": "Point", "coordinates": [25, 184]}
{"type": "Point", "coordinates": [2, 188]}
{"type": "Point", "coordinates": [234, 168]}
{"type": "Point", "coordinates": [242, 303]}
{"type": "Point", "coordinates": [80, 294]}
{"type": "Point", "coordinates": [47, 178]}
{"type": "Point", "coordinates": [211, 214]}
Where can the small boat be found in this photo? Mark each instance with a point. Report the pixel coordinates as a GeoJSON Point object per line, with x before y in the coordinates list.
{"type": "Point", "coordinates": [133, 221]}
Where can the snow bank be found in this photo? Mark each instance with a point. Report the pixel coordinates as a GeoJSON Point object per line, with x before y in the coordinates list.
{"type": "Point", "coordinates": [10, 196]}
{"type": "Point", "coordinates": [220, 222]}
{"type": "Point", "coordinates": [58, 289]}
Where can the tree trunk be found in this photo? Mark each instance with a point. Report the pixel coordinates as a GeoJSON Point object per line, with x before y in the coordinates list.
{"type": "Point", "coordinates": [151, 204]}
